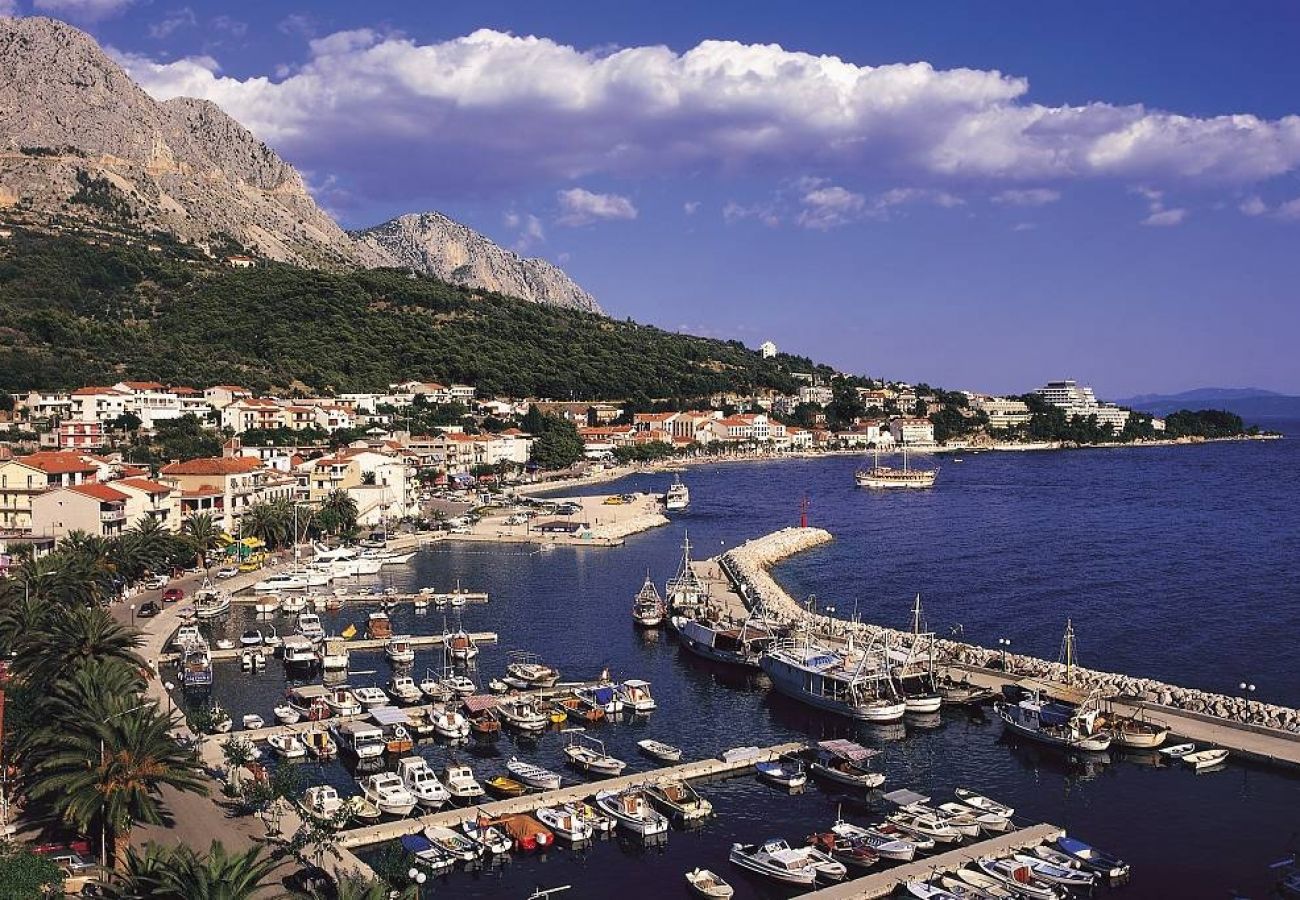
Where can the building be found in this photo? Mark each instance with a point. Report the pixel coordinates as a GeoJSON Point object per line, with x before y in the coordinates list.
{"type": "Point", "coordinates": [1079, 400]}
{"type": "Point", "coordinates": [221, 486]}
{"type": "Point", "coordinates": [240, 262]}
{"type": "Point", "coordinates": [75, 434]}
{"type": "Point", "coordinates": [146, 498]}
{"type": "Point", "coordinates": [815, 393]}
{"type": "Point", "coordinates": [911, 430]}
{"type": "Point", "coordinates": [767, 349]}
{"type": "Point", "coordinates": [97, 404]}
{"type": "Point", "coordinates": [1002, 412]}
{"type": "Point", "coordinates": [95, 509]}
{"type": "Point", "coordinates": [25, 477]}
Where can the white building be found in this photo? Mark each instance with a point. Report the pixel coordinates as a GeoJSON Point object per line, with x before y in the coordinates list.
{"type": "Point", "coordinates": [911, 431]}
{"type": "Point", "coordinates": [1078, 400]}
{"type": "Point", "coordinates": [767, 349]}
{"type": "Point", "coordinates": [819, 394]}
{"type": "Point", "coordinates": [1002, 411]}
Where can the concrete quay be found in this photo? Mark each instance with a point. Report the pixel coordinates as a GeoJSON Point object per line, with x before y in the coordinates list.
{"type": "Point", "coordinates": [317, 600]}
{"type": "Point", "coordinates": [415, 640]}
{"type": "Point", "coordinates": [884, 883]}
{"type": "Point", "coordinates": [703, 768]}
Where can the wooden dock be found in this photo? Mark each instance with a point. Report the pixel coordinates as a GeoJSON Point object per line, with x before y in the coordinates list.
{"type": "Point", "coordinates": [416, 640]}
{"type": "Point", "coordinates": [884, 883]}
{"type": "Point", "coordinates": [704, 768]}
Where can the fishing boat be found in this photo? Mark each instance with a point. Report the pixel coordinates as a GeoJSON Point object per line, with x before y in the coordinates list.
{"type": "Point", "coordinates": [984, 804]}
{"type": "Point", "coordinates": [209, 603]}
{"type": "Point", "coordinates": [458, 845]}
{"type": "Point", "coordinates": [989, 822]}
{"type": "Point", "coordinates": [660, 751]}
{"type": "Point", "coordinates": [385, 790]}
{"type": "Point", "coordinates": [527, 833]}
{"type": "Point", "coordinates": [987, 885]}
{"type": "Point", "coordinates": [399, 650]}
{"type": "Point", "coordinates": [736, 645]}
{"type": "Point", "coordinates": [849, 682]}
{"type": "Point", "coordinates": [897, 846]}
{"type": "Point", "coordinates": [635, 694]}
{"type": "Point", "coordinates": [487, 834]}
{"type": "Point", "coordinates": [533, 775]}
{"type": "Point", "coordinates": [361, 809]}
{"type": "Point", "coordinates": [1065, 876]}
{"type": "Point", "coordinates": [913, 666]}
{"type": "Point", "coordinates": [404, 689]}
{"type": "Point", "coordinates": [632, 810]}
{"type": "Point", "coordinates": [854, 854]}
{"type": "Point", "coordinates": [362, 740]}
{"type": "Point", "coordinates": [602, 696]}
{"type": "Point", "coordinates": [1018, 876]}
{"type": "Point", "coordinates": [370, 696]}
{"type": "Point", "coordinates": [460, 782]}
{"type": "Point", "coordinates": [526, 671]}
{"type": "Point", "coordinates": [1204, 759]}
{"type": "Point", "coordinates": [587, 754]}
{"type": "Point", "coordinates": [676, 798]}
{"type": "Point", "coordinates": [777, 860]}
{"type": "Point", "coordinates": [591, 815]}
{"type": "Point", "coordinates": [685, 592]}
{"type": "Point", "coordinates": [449, 724]}
{"type": "Point", "coordinates": [484, 725]}
{"type": "Point", "coordinates": [521, 713]}
{"type": "Point", "coordinates": [252, 722]}
{"type": "Point", "coordinates": [460, 645]}
{"type": "Point", "coordinates": [319, 744]}
{"type": "Point", "coordinates": [1137, 733]}
{"type": "Point", "coordinates": [845, 762]}
{"type": "Point", "coordinates": [886, 477]}
{"type": "Point", "coordinates": [570, 707]}
{"type": "Point", "coordinates": [927, 825]}
{"type": "Point", "coordinates": [322, 801]}
{"type": "Point", "coordinates": [1076, 728]}
{"type": "Point", "coordinates": [648, 608]}
{"type": "Point", "coordinates": [287, 746]}
{"type": "Point", "coordinates": [429, 855]}
{"type": "Point", "coordinates": [505, 786]}
{"type": "Point", "coordinates": [196, 667]}
{"type": "Point", "coordinates": [787, 772]}
{"type": "Point", "coordinates": [1092, 859]}
{"type": "Point", "coordinates": [286, 714]}
{"type": "Point", "coordinates": [564, 823]}
{"type": "Point", "coordinates": [678, 496]}
{"type": "Point", "coordinates": [378, 626]}
{"type": "Point", "coordinates": [708, 884]}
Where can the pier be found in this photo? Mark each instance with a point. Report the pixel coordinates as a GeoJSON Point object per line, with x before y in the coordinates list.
{"type": "Point", "coordinates": [703, 768]}
{"type": "Point", "coordinates": [415, 640]}
{"type": "Point", "coordinates": [882, 884]}
{"type": "Point", "coordinates": [440, 599]}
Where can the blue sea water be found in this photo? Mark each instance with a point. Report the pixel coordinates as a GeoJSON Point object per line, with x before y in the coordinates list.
{"type": "Point", "coordinates": [1177, 563]}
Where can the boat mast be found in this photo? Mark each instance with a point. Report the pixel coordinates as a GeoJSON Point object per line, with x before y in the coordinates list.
{"type": "Point", "coordinates": [1067, 651]}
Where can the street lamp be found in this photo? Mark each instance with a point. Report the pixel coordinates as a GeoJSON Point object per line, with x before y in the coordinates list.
{"type": "Point", "coordinates": [1004, 643]}
{"type": "Point", "coordinates": [103, 761]}
{"type": "Point", "coordinates": [132, 615]}
{"type": "Point", "coordinates": [1246, 689]}
{"type": "Point", "coordinates": [170, 687]}
{"type": "Point", "coordinates": [418, 878]}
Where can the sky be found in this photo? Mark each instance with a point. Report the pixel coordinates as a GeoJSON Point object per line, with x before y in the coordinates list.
{"type": "Point", "coordinates": [975, 195]}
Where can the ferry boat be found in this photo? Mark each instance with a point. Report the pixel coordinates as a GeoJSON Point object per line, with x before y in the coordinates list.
{"type": "Point", "coordinates": [848, 682]}
{"type": "Point", "coordinates": [648, 607]}
{"type": "Point", "coordinates": [678, 496]}
{"type": "Point", "coordinates": [741, 645]}
{"type": "Point", "coordinates": [685, 591]}
{"type": "Point", "coordinates": [879, 476]}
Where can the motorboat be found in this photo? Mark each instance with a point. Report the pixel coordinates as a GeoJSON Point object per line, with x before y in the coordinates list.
{"type": "Point", "coordinates": [786, 772]}
{"type": "Point", "coordinates": [827, 869]}
{"type": "Point", "coordinates": [1017, 876]}
{"type": "Point", "coordinates": [528, 833]}
{"type": "Point", "coordinates": [706, 883]}
{"type": "Point", "coordinates": [1092, 859]}
{"type": "Point", "coordinates": [309, 701]}
{"type": "Point", "coordinates": [322, 801]}
{"type": "Point", "coordinates": [965, 824]}
{"type": "Point", "coordinates": [195, 667]}
{"type": "Point", "coordinates": [434, 689]}
{"type": "Point", "coordinates": [188, 636]}
{"type": "Point", "coordinates": [989, 822]}
{"type": "Point", "coordinates": [521, 713]}
{"type": "Point", "coordinates": [252, 722]}
{"type": "Point", "coordinates": [460, 645]}
{"type": "Point", "coordinates": [678, 496]}
{"type": "Point", "coordinates": [371, 697]}
{"type": "Point", "coordinates": [422, 782]}
{"type": "Point", "coordinates": [1052, 873]}
{"type": "Point", "coordinates": [588, 754]}
{"type": "Point", "coordinates": [929, 825]}
{"type": "Point", "coordinates": [533, 775]}
{"type": "Point", "coordinates": [460, 782]}
{"type": "Point", "coordinates": [1204, 759]}
{"type": "Point", "coordinates": [404, 689]}
{"type": "Point", "coordinates": [505, 786]}
{"type": "Point", "coordinates": [309, 626]}
{"type": "Point", "coordinates": [286, 714]}
{"type": "Point", "coordinates": [252, 637]}
{"type": "Point", "coordinates": [458, 845]}
{"type": "Point", "coordinates": [457, 684]}
{"type": "Point", "coordinates": [921, 842]}
{"type": "Point", "coordinates": [853, 854]}
{"type": "Point", "coordinates": [1071, 728]}
{"type": "Point", "coordinates": [925, 891]}
{"type": "Point", "coordinates": [429, 855]}
{"type": "Point", "coordinates": [897, 848]}
{"type": "Point", "coordinates": [601, 696]}
{"type": "Point", "coordinates": [281, 581]}
{"type": "Point", "coordinates": [378, 626]}
{"type": "Point", "coordinates": [569, 706]}
{"type": "Point", "coordinates": [564, 823]}
{"type": "Point", "coordinates": [986, 884]}
{"type": "Point", "coordinates": [845, 762]}
{"type": "Point", "coordinates": [361, 809]}
{"type": "Point", "coordinates": [591, 815]}
{"type": "Point", "coordinates": [399, 650]}
{"type": "Point", "coordinates": [487, 834]}
{"type": "Point", "coordinates": [777, 860]}
{"type": "Point", "coordinates": [526, 671]}
{"type": "Point", "coordinates": [319, 744]}
{"type": "Point", "coordinates": [362, 740]}
{"type": "Point", "coordinates": [287, 746]}
{"type": "Point", "coordinates": [660, 751]}
{"type": "Point", "coordinates": [450, 724]}
{"type": "Point", "coordinates": [225, 644]}
{"type": "Point", "coordinates": [209, 603]}
{"type": "Point", "coordinates": [386, 790]}
{"type": "Point", "coordinates": [648, 608]}
{"type": "Point", "coordinates": [635, 695]}
{"type": "Point", "coordinates": [333, 655]}
{"type": "Point", "coordinates": [267, 605]}
{"type": "Point", "coordinates": [676, 798]}
{"type": "Point", "coordinates": [984, 804]}
{"type": "Point", "coordinates": [272, 639]}
{"type": "Point", "coordinates": [297, 651]}
{"type": "Point", "coordinates": [632, 811]}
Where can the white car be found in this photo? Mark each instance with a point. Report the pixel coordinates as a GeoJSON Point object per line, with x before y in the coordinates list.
{"type": "Point", "coordinates": [155, 583]}
{"type": "Point", "coordinates": [227, 571]}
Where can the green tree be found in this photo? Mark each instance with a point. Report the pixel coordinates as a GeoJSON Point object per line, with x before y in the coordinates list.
{"type": "Point", "coordinates": [338, 512]}
{"type": "Point", "coordinates": [203, 534]}
{"type": "Point", "coordinates": [558, 444]}
{"type": "Point", "coordinates": [181, 873]}
{"type": "Point", "coordinates": [25, 875]}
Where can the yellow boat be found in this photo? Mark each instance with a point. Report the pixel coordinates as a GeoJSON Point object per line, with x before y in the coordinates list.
{"type": "Point", "coordinates": [348, 633]}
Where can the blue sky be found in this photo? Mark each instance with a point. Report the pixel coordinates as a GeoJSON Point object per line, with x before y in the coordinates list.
{"type": "Point", "coordinates": [975, 195]}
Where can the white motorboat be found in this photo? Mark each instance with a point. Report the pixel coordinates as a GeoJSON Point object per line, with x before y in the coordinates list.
{"type": "Point", "coordinates": [564, 823]}
{"type": "Point", "coordinates": [521, 713]}
{"type": "Point", "coordinates": [342, 702]}
{"type": "Point", "coordinates": [526, 670]}
{"type": "Point", "coordinates": [989, 822]}
{"type": "Point", "coordinates": [461, 783]}
{"type": "Point", "coordinates": [1017, 876]}
{"type": "Point", "coordinates": [929, 825]}
{"type": "Point", "coordinates": [677, 799]}
{"type": "Point", "coordinates": [458, 845]}
{"type": "Point", "coordinates": [1205, 759]}
{"type": "Point", "coordinates": [964, 823]}
{"type": "Point", "coordinates": [777, 860]}
{"type": "Point", "coordinates": [287, 746]}
{"type": "Point", "coordinates": [209, 603]}
{"type": "Point", "coordinates": [268, 605]}
{"type": "Point", "coordinates": [363, 740]}
{"type": "Point", "coordinates": [322, 801]}
{"type": "Point", "coordinates": [787, 772]}
{"type": "Point", "coordinates": [404, 689]}
{"type": "Point", "coordinates": [984, 804]}
{"type": "Point", "coordinates": [708, 884]}
{"type": "Point", "coordinates": [588, 754]}
{"type": "Point", "coordinates": [286, 714]}
{"type": "Point", "coordinates": [1055, 873]}
{"type": "Point", "coordinates": [281, 581]}
{"type": "Point", "coordinates": [309, 626]}
{"type": "Point", "coordinates": [225, 644]}
{"type": "Point", "coordinates": [361, 809]}
{"type": "Point", "coordinates": [460, 685]}
{"type": "Point", "coordinates": [430, 856]}
{"type": "Point", "coordinates": [399, 650]}
{"type": "Point", "coordinates": [845, 762]}
{"type": "Point", "coordinates": [252, 722]}
{"type": "Point", "coordinates": [491, 837]}
{"type": "Point", "coordinates": [660, 751]}
{"type": "Point", "coordinates": [632, 810]}
{"type": "Point", "coordinates": [635, 695]}
{"type": "Point", "coordinates": [298, 651]}
{"type": "Point", "coordinates": [386, 791]}
{"type": "Point", "coordinates": [189, 635]}
{"type": "Point", "coordinates": [897, 848]}
{"type": "Point", "coordinates": [533, 775]}
{"type": "Point", "coordinates": [371, 697]}
{"type": "Point", "coordinates": [422, 782]}
{"type": "Point", "coordinates": [590, 815]}
{"type": "Point", "coordinates": [252, 637]}
{"type": "Point", "coordinates": [449, 723]}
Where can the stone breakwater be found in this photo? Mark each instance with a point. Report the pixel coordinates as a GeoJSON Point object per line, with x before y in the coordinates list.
{"type": "Point", "coordinates": [748, 565]}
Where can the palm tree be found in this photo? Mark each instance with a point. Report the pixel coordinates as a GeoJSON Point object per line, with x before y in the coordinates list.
{"type": "Point", "coordinates": [110, 777]}
{"type": "Point", "coordinates": [98, 690]}
{"type": "Point", "coordinates": [237, 753]}
{"type": "Point", "coordinates": [357, 887]}
{"type": "Point", "coordinates": [203, 534]}
{"type": "Point", "coordinates": [154, 541]}
{"type": "Point", "coordinates": [341, 508]}
{"type": "Point", "coordinates": [68, 639]}
{"type": "Point", "coordinates": [179, 873]}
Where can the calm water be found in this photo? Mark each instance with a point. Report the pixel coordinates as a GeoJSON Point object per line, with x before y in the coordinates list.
{"type": "Point", "coordinates": [1176, 563]}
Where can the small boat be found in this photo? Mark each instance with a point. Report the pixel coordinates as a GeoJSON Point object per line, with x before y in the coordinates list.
{"type": "Point", "coordinates": [449, 724]}
{"type": "Point", "coordinates": [526, 671]}
{"type": "Point", "coordinates": [251, 660]}
{"type": "Point", "coordinates": [485, 726]}
{"type": "Point", "coordinates": [635, 695]}
{"type": "Point", "coordinates": [434, 689]}
{"type": "Point", "coordinates": [1177, 751]}
{"type": "Point", "coordinates": [632, 811]}
{"type": "Point", "coordinates": [458, 845]}
{"type": "Point", "coordinates": [929, 825]}
{"type": "Point", "coordinates": [430, 855]}
{"type": "Point", "coordinates": [966, 891]}
{"type": "Point", "coordinates": [965, 824]}
{"type": "Point", "coordinates": [251, 637]}
{"type": "Point", "coordinates": [460, 782]}
{"type": "Point", "coordinates": [1137, 733]}
{"type": "Point", "coordinates": [528, 833]}
{"type": "Point", "coordinates": [987, 884]}
{"type": "Point", "coordinates": [286, 714]}
{"type": "Point", "coordinates": [1205, 759]}
{"type": "Point", "coordinates": [990, 822]}
{"type": "Point", "coordinates": [1017, 876]}
{"type": "Point", "coordinates": [308, 625]}
{"type": "Point", "coordinates": [252, 722]}
{"type": "Point", "coordinates": [404, 689]}
{"type": "Point", "coordinates": [660, 751]}
{"type": "Point", "coordinates": [506, 787]}
{"type": "Point", "coordinates": [984, 804]}
{"type": "Point", "coordinates": [892, 847]}
{"type": "Point", "coordinates": [602, 697]}
{"type": "Point", "coordinates": [487, 834]}
{"type": "Point", "coordinates": [1055, 857]}
{"type": "Point", "coordinates": [1065, 876]}
{"type": "Point", "coordinates": [678, 496]}
{"type": "Point", "coordinates": [342, 702]}
{"type": "Point", "coordinates": [225, 644]}
{"type": "Point", "coordinates": [570, 707]}
{"type": "Point", "coordinates": [922, 843]}
{"type": "Point", "coordinates": [386, 791]}
{"type": "Point", "coordinates": [397, 739]}
{"type": "Point", "coordinates": [298, 651]}
{"type": "Point", "coordinates": [844, 762]}
{"type": "Point", "coordinates": [588, 754]}
{"type": "Point", "coordinates": [777, 860]}
{"type": "Point", "coordinates": [854, 854]}
{"type": "Point", "coordinates": [323, 801]}
{"type": "Point", "coordinates": [927, 891]}
{"type": "Point", "coordinates": [319, 744]}
{"type": "Point", "coordinates": [379, 626]}
{"type": "Point", "coordinates": [521, 713]}
{"type": "Point", "coordinates": [361, 809]}
{"type": "Point", "coordinates": [707, 884]}
{"type": "Point", "coordinates": [648, 608]}
{"type": "Point", "coordinates": [399, 650]}
{"type": "Point", "coordinates": [675, 797]}
{"type": "Point", "coordinates": [532, 775]}
{"type": "Point", "coordinates": [371, 697]}
{"type": "Point", "coordinates": [287, 746]}
{"type": "Point", "coordinates": [787, 772]}
{"type": "Point", "coordinates": [362, 740]}
{"type": "Point", "coordinates": [590, 815]}
{"type": "Point", "coordinates": [564, 823]}
{"type": "Point", "coordinates": [1092, 859]}
{"type": "Point", "coordinates": [458, 685]}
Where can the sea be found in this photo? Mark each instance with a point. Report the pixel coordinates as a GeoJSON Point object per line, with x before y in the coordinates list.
{"type": "Point", "coordinates": [1177, 563]}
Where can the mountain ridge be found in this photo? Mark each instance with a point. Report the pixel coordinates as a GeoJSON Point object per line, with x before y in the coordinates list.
{"type": "Point", "coordinates": [1245, 402]}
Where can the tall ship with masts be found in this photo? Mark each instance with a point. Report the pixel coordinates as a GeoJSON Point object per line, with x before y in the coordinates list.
{"type": "Point", "coordinates": [884, 477]}
{"type": "Point", "coordinates": [686, 592]}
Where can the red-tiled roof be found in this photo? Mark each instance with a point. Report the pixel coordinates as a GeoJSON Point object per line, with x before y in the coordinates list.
{"type": "Point", "coordinates": [144, 484]}
{"type": "Point", "coordinates": [91, 391]}
{"type": "Point", "coordinates": [100, 492]}
{"type": "Point", "coordinates": [144, 385]}
{"type": "Point", "coordinates": [55, 463]}
{"type": "Point", "coordinates": [204, 490]}
{"type": "Point", "coordinates": [237, 465]}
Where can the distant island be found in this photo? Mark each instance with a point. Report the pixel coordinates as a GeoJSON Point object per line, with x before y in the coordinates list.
{"type": "Point", "coordinates": [1250, 403]}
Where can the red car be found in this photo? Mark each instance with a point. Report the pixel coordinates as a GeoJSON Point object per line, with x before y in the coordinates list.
{"type": "Point", "coordinates": [171, 595]}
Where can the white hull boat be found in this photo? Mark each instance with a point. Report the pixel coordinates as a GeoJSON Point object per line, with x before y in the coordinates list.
{"type": "Point", "coordinates": [564, 823]}
{"type": "Point", "coordinates": [422, 782]}
{"type": "Point", "coordinates": [533, 776]}
{"type": "Point", "coordinates": [632, 811]}
{"type": "Point", "coordinates": [386, 791]}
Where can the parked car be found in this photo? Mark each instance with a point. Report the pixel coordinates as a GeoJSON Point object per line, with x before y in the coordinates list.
{"type": "Point", "coordinates": [173, 595]}
{"type": "Point", "coordinates": [155, 582]}
{"type": "Point", "coordinates": [148, 609]}
{"type": "Point", "coordinates": [227, 572]}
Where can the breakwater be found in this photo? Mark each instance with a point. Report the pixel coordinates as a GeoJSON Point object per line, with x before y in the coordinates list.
{"type": "Point", "coordinates": [748, 566]}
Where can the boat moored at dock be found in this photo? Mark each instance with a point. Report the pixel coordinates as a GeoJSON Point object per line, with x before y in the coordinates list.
{"type": "Point", "coordinates": [849, 682]}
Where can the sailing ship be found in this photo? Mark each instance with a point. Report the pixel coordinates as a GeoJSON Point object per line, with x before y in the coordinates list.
{"type": "Point", "coordinates": [914, 668]}
{"type": "Point", "coordinates": [648, 607]}
{"type": "Point", "coordinates": [685, 591]}
{"type": "Point", "coordinates": [678, 496]}
{"type": "Point", "coordinates": [849, 682]}
{"type": "Point", "coordinates": [879, 476]}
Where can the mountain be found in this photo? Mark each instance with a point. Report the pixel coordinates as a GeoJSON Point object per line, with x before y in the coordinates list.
{"type": "Point", "coordinates": [435, 245]}
{"type": "Point", "coordinates": [1249, 403]}
{"type": "Point", "coordinates": [82, 144]}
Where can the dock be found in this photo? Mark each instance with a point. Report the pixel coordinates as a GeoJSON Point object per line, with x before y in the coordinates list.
{"type": "Point", "coordinates": [884, 883]}
{"type": "Point", "coordinates": [443, 600]}
{"type": "Point", "coordinates": [691, 771]}
{"type": "Point", "coordinates": [416, 640]}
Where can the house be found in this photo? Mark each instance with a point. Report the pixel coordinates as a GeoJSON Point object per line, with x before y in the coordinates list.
{"type": "Point", "coordinates": [240, 262]}
{"type": "Point", "coordinates": [253, 412]}
{"type": "Point", "coordinates": [150, 401]}
{"type": "Point", "coordinates": [43, 406]}
{"type": "Point", "coordinates": [221, 486]}
{"type": "Point", "coordinates": [219, 396]}
{"type": "Point", "coordinates": [146, 498]}
{"type": "Point", "coordinates": [74, 434]}
{"type": "Point", "coordinates": [767, 349]}
{"type": "Point", "coordinates": [815, 393]}
{"type": "Point", "coordinates": [96, 509]}
{"type": "Point", "coordinates": [24, 477]}
{"type": "Point", "coordinates": [911, 430]}
{"type": "Point", "coordinates": [334, 418]}
{"type": "Point", "coordinates": [97, 404]}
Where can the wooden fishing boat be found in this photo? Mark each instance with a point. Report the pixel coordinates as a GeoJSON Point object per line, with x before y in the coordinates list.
{"type": "Point", "coordinates": [1137, 733]}
{"type": "Point", "coordinates": [984, 804]}
{"type": "Point", "coordinates": [844, 762]}
{"type": "Point", "coordinates": [660, 751]}
{"type": "Point", "coordinates": [505, 787]}
{"type": "Point", "coordinates": [534, 776]}
{"type": "Point", "coordinates": [1205, 759]}
{"type": "Point", "coordinates": [854, 854]}
{"type": "Point", "coordinates": [564, 823]}
{"type": "Point", "coordinates": [575, 710]}
{"type": "Point", "coordinates": [648, 609]}
{"type": "Point", "coordinates": [675, 797]}
{"type": "Point", "coordinates": [707, 884]}
{"type": "Point", "coordinates": [527, 833]}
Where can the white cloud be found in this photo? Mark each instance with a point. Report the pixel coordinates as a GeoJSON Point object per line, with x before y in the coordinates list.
{"type": "Point", "coordinates": [85, 10]}
{"type": "Point", "coordinates": [691, 207]}
{"type": "Point", "coordinates": [1253, 206]}
{"type": "Point", "coordinates": [530, 229]}
{"type": "Point", "coordinates": [579, 206]}
{"type": "Point", "coordinates": [494, 110]}
{"type": "Point", "coordinates": [1027, 197]}
{"type": "Point", "coordinates": [829, 207]}
{"type": "Point", "coordinates": [1166, 217]}
{"type": "Point", "coordinates": [733, 212]}
{"type": "Point", "coordinates": [1289, 210]}
{"type": "Point", "coordinates": [173, 21]}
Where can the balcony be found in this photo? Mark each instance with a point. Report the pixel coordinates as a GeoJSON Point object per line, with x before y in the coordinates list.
{"type": "Point", "coordinates": [112, 515]}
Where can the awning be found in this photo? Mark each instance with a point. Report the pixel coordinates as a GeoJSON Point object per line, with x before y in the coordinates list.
{"type": "Point", "coordinates": [850, 750]}
{"type": "Point", "coordinates": [389, 715]}
{"type": "Point", "coordinates": [905, 797]}
{"type": "Point", "coordinates": [479, 702]}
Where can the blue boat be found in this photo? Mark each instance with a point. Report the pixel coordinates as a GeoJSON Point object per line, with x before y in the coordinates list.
{"type": "Point", "coordinates": [428, 853]}
{"type": "Point", "coordinates": [1094, 860]}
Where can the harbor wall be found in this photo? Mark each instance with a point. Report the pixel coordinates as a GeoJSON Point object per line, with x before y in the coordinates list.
{"type": "Point", "coordinates": [748, 568]}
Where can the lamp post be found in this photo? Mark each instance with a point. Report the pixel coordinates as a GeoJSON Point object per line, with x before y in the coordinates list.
{"type": "Point", "coordinates": [417, 878]}
{"type": "Point", "coordinates": [169, 686]}
{"type": "Point", "coordinates": [1004, 643]}
{"type": "Point", "coordinates": [103, 761]}
{"type": "Point", "coordinates": [132, 615]}
{"type": "Point", "coordinates": [1246, 689]}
